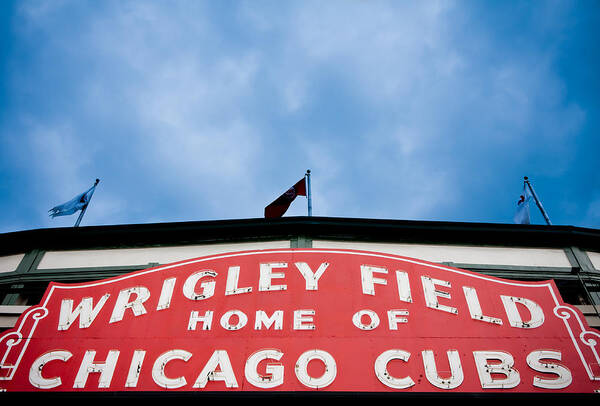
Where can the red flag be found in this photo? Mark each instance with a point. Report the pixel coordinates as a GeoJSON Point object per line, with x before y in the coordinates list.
{"type": "Point", "coordinates": [282, 203]}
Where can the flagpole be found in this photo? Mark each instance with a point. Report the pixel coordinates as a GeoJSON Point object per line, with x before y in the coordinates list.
{"type": "Point", "coordinates": [537, 201]}
{"type": "Point", "coordinates": [308, 192]}
{"type": "Point", "coordinates": [85, 207]}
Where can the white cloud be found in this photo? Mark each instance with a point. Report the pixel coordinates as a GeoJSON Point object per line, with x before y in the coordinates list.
{"type": "Point", "coordinates": [207, 108]}
{"type": "Point", "coordinates": [58, 153]}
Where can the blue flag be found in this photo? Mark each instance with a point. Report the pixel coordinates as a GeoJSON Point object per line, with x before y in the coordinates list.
{"type": "Point", "coordinates": [73, 205]}
{"type": "Point", "coordinates": [522, 214]}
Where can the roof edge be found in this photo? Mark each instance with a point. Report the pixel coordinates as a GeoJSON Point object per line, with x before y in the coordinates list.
{"type": "Point", "coordinates": [363, 229]}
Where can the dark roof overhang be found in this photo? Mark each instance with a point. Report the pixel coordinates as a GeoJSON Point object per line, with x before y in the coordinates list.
{"type": "Point", "coordinates": [259, 229]}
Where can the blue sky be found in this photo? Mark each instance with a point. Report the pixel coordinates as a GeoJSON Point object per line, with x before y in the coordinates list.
{"type": "Point", "coordinates": [204, 110]}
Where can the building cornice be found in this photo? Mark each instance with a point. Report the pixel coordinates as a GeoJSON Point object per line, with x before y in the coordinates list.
{"type": "Point", "coordinates": [357, 229]}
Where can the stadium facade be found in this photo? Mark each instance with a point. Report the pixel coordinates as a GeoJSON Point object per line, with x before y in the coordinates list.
{"type": "Point", "coordinates": [441, 299]}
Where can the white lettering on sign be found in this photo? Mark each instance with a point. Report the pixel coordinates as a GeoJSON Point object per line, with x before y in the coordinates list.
{"type": "Point", "coordinates": [371, 275]}
{"type": "Point", "coordinates": [86, 312]}
{"type": "Point", "coordinates": [385, 377]}
{"type": "Point", "coordinates": [35, 372]}
{"type": "Point", "coordinates": [502, 365]}
{"type": "Point", "coordinates": [166, 294]}
{"type": "Point", "coordinates": [494, 368]}
{"type": "Point", "coordinates": [208, 288]}
{"type": "Point", "coordinates": [134, 368]}
{"type": "Point", "coordinates": [232, 320]}
{"type": "Point", "coordinates": [242, 319]}
{"type": "Point", "coordinates": [373, 318]}
{"type": "Point", "coordinates": [262, 319]}
{"type": "Point", "coordinates": [514, 317]}
{"type": "Point", "coordinates": [106, 369]}
{"type": "Point", "coordinates": [274, 376]}
{"type": "Point", "coordinates": [534, 360]}
{"type": "Point", "coordinates": [303, 319]}
{"type": "Point", "coordinates": [218, 368]}
{"type": "Point", "coordinates": [369, 280]}
{"type": "Point", "coordinates": [475, 307]}
{"type": "Point", "coordinates": [267, 274]}
{"type": "Point", "coordinates": [395, 317]}
{"type": "Point", "coordinates": [141, 295]}
{"type": "Point", "coordinates": [432, 294]}
{"type": "Point", "coordinates": [233, 276]}
{"type": "Point", "coordinates": [431, 372]}
{"type": "Point", "coordinates": [319, 382]}
{"type": "Point", "coordinates": [158, 370]}
{"type": "Point", "coordinates": [205, 319]}
{"type": "Point", "coordinates": [312, 278]}
{"type": "Point", "coordinates": [134, 298]}
{"type": "Point", "coordinates": [403, 286]}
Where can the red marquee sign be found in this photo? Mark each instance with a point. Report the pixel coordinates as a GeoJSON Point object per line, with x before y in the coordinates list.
{"type": "Point", "coordinates": [298, 320]}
